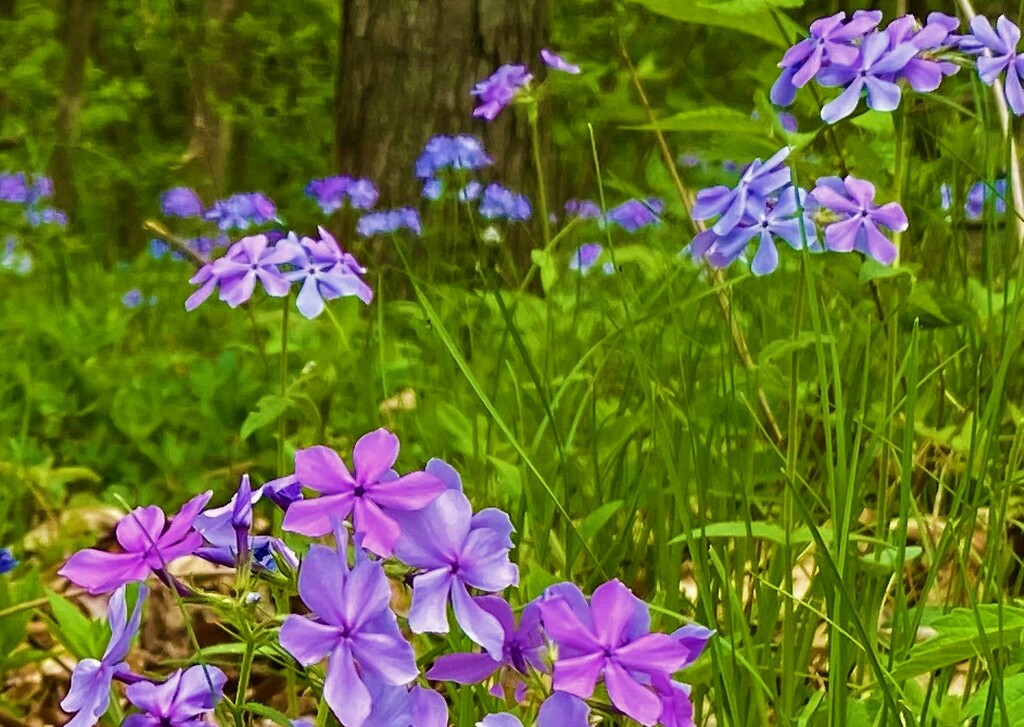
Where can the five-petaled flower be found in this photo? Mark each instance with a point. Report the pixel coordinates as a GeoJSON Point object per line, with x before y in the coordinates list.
{"type": "Point", "coordinates": [181, 700]}
{"type": "Point", "coordinates": [854, 200]}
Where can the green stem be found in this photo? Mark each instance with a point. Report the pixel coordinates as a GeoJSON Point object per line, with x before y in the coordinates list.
{"type": "Point", "coordinates": [542, 197]}
{"type": "Point", "coordinates": [243, 679]}
{"type": "Point", "coordinates": [282, 422]}
{"type": "Point", "coordinates": [321, 712]}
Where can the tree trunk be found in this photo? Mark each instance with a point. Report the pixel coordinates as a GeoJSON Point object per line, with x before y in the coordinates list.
{"type": "Point", "coordinates": [79, 21]}
{"type": "Point", "coordinates": [406, 70]}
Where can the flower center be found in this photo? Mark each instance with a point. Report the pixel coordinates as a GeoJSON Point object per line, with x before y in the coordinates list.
{"type": "Point", "coordinates": [360, 491]}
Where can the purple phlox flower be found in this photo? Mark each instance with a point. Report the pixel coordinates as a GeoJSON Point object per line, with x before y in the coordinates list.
{"type": "Point", "coordinates": [14, 188]}
{"type": "Point", "coordinates": [457, 550]}
{"type": "Point", "coordinates": [15, 257]}
{"type": "Point", "coordinates": [182, 699]}
{"type": "Point", "coordinates": [676, 708]}
{"type": "Point", "coordinates": [831, 41]}
{"type": "Point", "coordinates": [497, 90]}
{"type": "Point", "coordinates": [150, 543]}
{"type": "Point", "coordinates": [325, 271]}
{"type": "Point", "coordinates": [283, 491]}
{"type": "Point", "coordinates": [329, 192]}
{"type": "Point", "coordinates": [611, 638]}
{"type": "Point", "coordinates": [402, 707]}
{"type": "Point", "coordinates": [585, 257]}
{"type": "Point", "coordinates": [553, 60]}
{"type": "Point", "coordinates": [1000, 53]}
{"type": "Point", "coordinates": [522, 648]}
{"type": "Point", "coordinates": [982, 193]}
{"type": "Point", "coordinates": [89, 694]}
{"type": "Point", "coordinates": [46, 216]}
{"type": "Point", "coordinates": [362, 194]}
{"type": "Point", "coordinates": [874, 70]}
{"type": "Point", "coordinates": [132, 299]}
{"type": "Point", "coordinates": [181, 202]}
{"type": "Point", "coordinates": [583, 208]}
{"type": "Point", "coordinates": [389, 221]}
{"type": "Point", "coordinates": [354, 628]}
{"type": "Point", "coordinates": [635, 214]}
{"type": "Point", "coordinates": [373, 495]}
{"type": "Point", "coordinates": [777, 217]}
{"type": "Point", "coordinates": [923, 72]}
{"type": "Point", "coordinates": [241, 211]}
{"type": "Point", "coordinates": [562, 709]}
{"type": "Point", "coordinates": [248, 260]}
{"type": "Point", "coordinates": [461, 152]}
{"type": "Point", "coordinates": [857, 229]}
{"type": "Point", "coordinates": [758, 181]}
{"type": "Point", "coordinates": [432, 189]}
{"type": "Point", "coordinates": [500, 202]}
{"type": "Point", "coordinates": [7, 561]}
{"type": "Point", "coordinates": [227, 529]}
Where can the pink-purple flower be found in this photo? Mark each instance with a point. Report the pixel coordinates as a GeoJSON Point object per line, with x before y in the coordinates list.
{"type": "Point", "coordinates": [373, 495]}
{"type": "Point", "coordinates": [610, 639]}
{"type": "Point", "coordinates": [857, 228]}
{"type": "Point", "coordinates": [497, 90]}
{"type": "Point", "coordinates": [183, 699]}
{"type": "Point", "coordinates": [353, 627]}
{"type": "Point", "coordinates": [150, 543]}
{"type": "Point", "coordinates": [89, 695]}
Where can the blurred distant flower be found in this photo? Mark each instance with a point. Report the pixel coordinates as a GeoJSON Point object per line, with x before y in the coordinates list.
{"type": "Point", "coordinates": [331, 192]}
{"type": "Point", "coordinates": [1001, 43]}
{"type": "Point", "coordinates": [132, 299]}
{"type": "Point", "coordinates": [461, 152]}
{"type": "Point", "coordinates": [149, 542]}
{"type": "Point", "coordinates": [389, 221]}
{"type": "Point", "coordinates": [179, 701]}
{"type": "Point", "coordinates": [46, 216]}
{"type": "Point", "coordinates": [158, 248]}
{"type": "Point", "coordinates": [14, 188]}
{"type": "Point", "coordinates": [854, 200]}
{"type": "Point", "coordinates": [585, 257]}
{"type": "Point", "coordinates": [981, 194]}
{"type": "Point", "coordinates": [945, 196]}
{"type": "Point", "coordinates": [497, 91]}
{"type": "Point", "coordinates": [7, 561]}
{"type": "Point", "coordinates": [42, 187]}
{"type": "Point", "coordinates": [583, 208]}
{"type": "Point", "coordinates": [181, 202]}
{"type": "Point", "coordinates": [553, 60]}
{"type": "Point", "coordinates": [788, 122]}
{"type": "Point", "coordinates": [470, 192]}
{"type": "Point", "coordinates": [432, 189]}
{"type": "Point", "coordinates": [241, 211]}
{"type": "Point", "coordinates": [15, 258]}
{"type": "Point", "coordinates": [499, 202]}
{"type": "Point", "coordinates": [634, 214]}
{"type": "Point", "coordinates": [688, 160]}
{"type": "Point", "coordinates": [89, 694]}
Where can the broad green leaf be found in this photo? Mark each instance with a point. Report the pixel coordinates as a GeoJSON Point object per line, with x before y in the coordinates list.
{"type": "Point", "coordinates": [82, 636]}
{"type": "Point", "coordinates": [268, 410]}
{"type": "Point", "coordinates": [1013, 695]}
{"type": "Point", "coordinates": [753, 17]}
{"type": "Point", "coordinates": [738, 529]}
{"type": "Point", "coordinates": [596, 520]}
{"type": "Point", "coordinates": [714, 119]}
{"type": "Point", "coordinates": [958, 640]}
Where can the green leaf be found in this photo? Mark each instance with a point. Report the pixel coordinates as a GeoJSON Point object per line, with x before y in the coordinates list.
{"type": "Point", "coordinates": [546, 264]}
{"type": "Point", "coordinates": [758, 529]}
{"type": "Point", "coordinates": [272, 714]}
{"type": "Point", "coordinates": [82, 637]}
{"type": "Point", "coordinates": [715, 119]}
{"type": "Point", "coordinates": [786, 346]}
{"type": "Point", "coordinates": [269, 409]}
{"type": "Point", "coordinates": [596, 520]}
{"type": "Point", "coordinates": [752, 17]}
{"type": "Point", "coordinates": [1013, 695]}
{"type": "Point", "coordinates": [958, 638]}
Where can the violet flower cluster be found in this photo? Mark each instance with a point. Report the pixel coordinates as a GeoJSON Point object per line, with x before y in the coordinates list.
{"type": "Point", "coordinates": [632, 215]}
{"type": "Point", "coordinates": [499, 89]}
{"type": "Point", "coordinates": [766, 205]}
{"type": "Point", "coordinates": [861, 59]}
{"type": "Point", "coordinates": [321, 268]}
{"type": "Point", "coordinates": [237, 212]}
{"type": "Point", "coordinates": [29, 193]}
{"type": "Point", "coordinates": [7, 561]}
{"type": "Point", "coordinates": [331, 193]}
{"type": "Point", "coordinates": [981, 196]}
{"type": "Point", "coordinates": [384, 532]}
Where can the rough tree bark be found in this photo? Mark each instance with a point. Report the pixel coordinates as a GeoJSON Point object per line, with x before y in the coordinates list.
{"type": "Point", "coordinates": [79, 22]}
{"type": "Point", "coordinates": [406, 69]}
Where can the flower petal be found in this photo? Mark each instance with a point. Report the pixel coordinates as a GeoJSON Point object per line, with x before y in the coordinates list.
{"type": "Point", "coordinates": [479, 625]}
{"type": "Point", "coordinates": [463, 668]}
{"type": "Point", "coordinates": [631, 697]}
{"type": "Point", "coordinates": [322, 469]}
{"type": "Point", "coordinates": [100, 572]}
{"type": "Point", "coordinates": [306, 640]}
{"type": "Point", "coordinates": [579, 674]}
{"type": "Point", "coordinates": [344, 691]}
{"type": "Point", "coordinates": [379, 531]}
{"type": "Point", "coordinates": [613, 607]}
{"type": "Point", "coordinates": [429, 610]}
{"type": "Point", "coordinates": [374, 454]}
{"type": "Point", "coordinates": [318, 516]}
